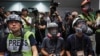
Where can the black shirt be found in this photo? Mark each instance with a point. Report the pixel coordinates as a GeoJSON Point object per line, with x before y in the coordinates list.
{"type": "Point", "coordinates": [75, 43]}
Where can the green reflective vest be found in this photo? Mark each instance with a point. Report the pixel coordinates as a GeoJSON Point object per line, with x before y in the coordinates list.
{"type": "Point", "coordinates": [14, 42]}
{"type": "Point", "coordinates": [26, 27]}
{"type": "Point", "coordinates": [98, 30]}
{"type": "Point", "coordinates": [91, 17]}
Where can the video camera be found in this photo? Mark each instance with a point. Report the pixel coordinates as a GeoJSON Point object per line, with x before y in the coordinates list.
{"type": "Point", "coordinates": [34, 11]}
{"type": "Point", "coordinates": [53, 7]}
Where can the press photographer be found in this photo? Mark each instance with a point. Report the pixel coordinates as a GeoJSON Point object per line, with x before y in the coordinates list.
{"type": "Point", "coordinates": [53, 10]}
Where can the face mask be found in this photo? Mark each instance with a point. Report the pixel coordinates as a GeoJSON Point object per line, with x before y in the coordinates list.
{"type": "Point", "coordinates": [84, 27]}
{"type": "Point", "coordinates": [87, 8]}
{"type": "Point", "coordinates": [78, 30]}
{"type": "Point", "coordinates": [54, 32]}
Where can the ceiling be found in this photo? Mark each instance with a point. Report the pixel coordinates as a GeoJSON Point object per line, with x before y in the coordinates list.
{"type": "Point", "coordinates": [69, 3]}
{"type": "Point", "coordinates": [63, 3]}
{"type": "Point", "coordinates": [24, 0]}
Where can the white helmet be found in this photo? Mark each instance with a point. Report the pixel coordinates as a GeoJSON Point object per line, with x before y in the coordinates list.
{"type": "Point", "coordinates": [74, 21]}
{"type": "Point", "coordinates": [85, 28]}
{"type": "Point", "coordinates": [51, 25]}
{"type": "Point", "coordinates": [14, 17]}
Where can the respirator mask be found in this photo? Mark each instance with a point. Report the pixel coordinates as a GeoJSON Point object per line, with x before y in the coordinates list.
{"type": "Point", "coordinates": [85, 28]}
{"type": "Point", "coordinates": [86, 8]}
{"type": "Point", "coordinates": [53, 32]}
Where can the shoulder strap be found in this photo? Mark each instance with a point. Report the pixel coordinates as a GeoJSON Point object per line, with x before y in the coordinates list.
{"type": "Point", "coordinates": [22, 39]}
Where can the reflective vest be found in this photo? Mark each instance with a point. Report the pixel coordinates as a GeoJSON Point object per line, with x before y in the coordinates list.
{"type": "Point", "coordinates": [26, 27]}
{"type": "Point", "coordinates": [88, 18]}
{"type": "Point", "coordinates": [13, 44]}
{"type": "Point", "coordinates": [98, 30]}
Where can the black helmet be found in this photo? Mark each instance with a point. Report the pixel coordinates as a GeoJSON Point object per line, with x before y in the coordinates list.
{"type": "Point", "coordinates": [14, 17]}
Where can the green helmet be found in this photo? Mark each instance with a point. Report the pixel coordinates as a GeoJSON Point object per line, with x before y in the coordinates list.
{"type": "Point", "coordinates": [52, 25]}
{"type": "Point", "coordinates": [14, 17]}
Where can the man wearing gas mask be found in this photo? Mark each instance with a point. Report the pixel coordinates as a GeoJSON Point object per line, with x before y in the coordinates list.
{"type": "Point", "coordinates": [89, 17]}
{"type": "Point", "coordinates": [87, 13]}
{"type": "Point", "coordinates": [53, 44]}
{"type": "Point", "coordinates": [79, 44]}
{"type": "Point", "coordinates": [82, 24]}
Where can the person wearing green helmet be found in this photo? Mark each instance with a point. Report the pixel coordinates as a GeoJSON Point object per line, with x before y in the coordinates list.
{"type": "Point", "coordinates": [18, 42]}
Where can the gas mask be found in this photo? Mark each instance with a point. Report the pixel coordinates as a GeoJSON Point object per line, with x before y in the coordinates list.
{"type": "Point", "coordinates": [54, 32]}
{"type": "Point", "coordinates": [78, 30]}
{"type": "Point", "coordinates": [82, 24]}
{"type": "Point", "coordinates": [86, 8]}
{"type": "Point", "coordinates": [85, 28]}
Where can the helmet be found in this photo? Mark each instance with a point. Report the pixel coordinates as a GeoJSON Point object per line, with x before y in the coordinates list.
{"type": "Point", "coordinates": [85, 28]}
{"type": "Point", "coordinates": [52, 29]}
{"type": "Point", "coordinates": [77, 21]}
{"type": "Point", "coordinates": [74, 21]}
{"type": "Point", "coordinates": [86, 6]}
{"type": "Point", "coordinates": [85, 2]}
{"type": "Point", "coordinates": [14, 17]}
{"type": "Point", "coordinates": [51, 25]}
{"type": "Point", "coordinates": [80, 23]}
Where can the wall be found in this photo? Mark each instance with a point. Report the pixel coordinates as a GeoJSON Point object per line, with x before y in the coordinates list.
{"type": "Point", "coordinates": [17, 6]}
{"type": "Point", "coordinates": [95, 4]}
{"type": "Point", "coordinates": [66, 5]}
{"type": "Point", "coordinates": [99, 4]}
{"type": "Point", "coordinates": [69, 6]}
{"type": "Point", "coordinates": [63, 10]}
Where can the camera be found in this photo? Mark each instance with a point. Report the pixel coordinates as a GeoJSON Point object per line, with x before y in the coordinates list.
{"type": "Point", "coordinates": [53, 7]}
{"type": "Point", "coordinates": [34, 11]}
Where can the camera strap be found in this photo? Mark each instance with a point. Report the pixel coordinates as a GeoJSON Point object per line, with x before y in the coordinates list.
{"type": "Point", "coordinates": [22, 39]}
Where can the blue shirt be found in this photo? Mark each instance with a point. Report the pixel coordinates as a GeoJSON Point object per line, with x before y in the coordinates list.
{"type": "Point", "coordinates": [75, 43]}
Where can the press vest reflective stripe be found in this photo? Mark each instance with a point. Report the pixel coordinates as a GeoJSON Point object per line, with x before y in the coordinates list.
{"type": "Point", "coordinates": [98, 30]}
{"type": "Point", "coordinates": [14, 42]}
{"type": "Point", "coordinates": [88, 18]}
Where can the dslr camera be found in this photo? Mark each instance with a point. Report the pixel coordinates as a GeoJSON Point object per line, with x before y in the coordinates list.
{"type": "Point", "coordinates": [53, 7]}
{"type": "Point", "coordinates": [34, 11]}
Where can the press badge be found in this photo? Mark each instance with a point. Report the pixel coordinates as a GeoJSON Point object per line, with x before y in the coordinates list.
{"type": "Point", "coordinates": [80, 53]}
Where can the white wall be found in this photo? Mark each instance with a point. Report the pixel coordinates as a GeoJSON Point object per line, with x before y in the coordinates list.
{"type": "Point", "coordinates": [17, 6]}
{"type": "Point", "coordinates": [95, 4]}
{"type": "Point", "coordinates": [62, 10]}
{"type": "Point", "coordinates": [99, 4]}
